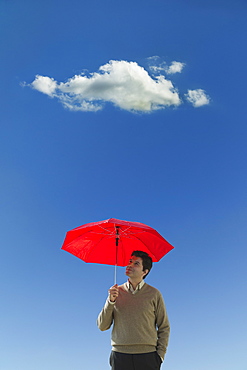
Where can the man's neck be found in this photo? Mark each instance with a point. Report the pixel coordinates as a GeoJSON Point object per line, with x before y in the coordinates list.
{"type": "Point", "coordinates": [134, 283]}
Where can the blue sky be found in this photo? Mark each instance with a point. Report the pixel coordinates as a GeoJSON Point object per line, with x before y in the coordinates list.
{"type": "Point", "coordinates": [178, 168]}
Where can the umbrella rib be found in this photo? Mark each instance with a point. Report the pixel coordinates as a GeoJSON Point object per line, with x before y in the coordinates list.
{"type": "Point", "coordinates": [125, 230]}
{"type": "Point", "coordinates": [108, 231]}
{"type": "Point", "coordinates": [141, 232]}
{"type": "Point", "coordinates": [132, 233]}
{"type": "Point", "coordinates": [106, 235]}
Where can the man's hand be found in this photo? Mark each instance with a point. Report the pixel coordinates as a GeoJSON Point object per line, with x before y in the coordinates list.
{"type": "Point", "coordinates": [113, 293]}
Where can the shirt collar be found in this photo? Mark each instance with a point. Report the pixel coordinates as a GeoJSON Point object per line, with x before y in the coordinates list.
{"type": "Point", "coordinates": [138, 287]}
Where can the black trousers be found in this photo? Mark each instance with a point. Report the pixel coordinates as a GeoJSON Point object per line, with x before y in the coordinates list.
{"type": "Point", "coordinates": [140, 361]}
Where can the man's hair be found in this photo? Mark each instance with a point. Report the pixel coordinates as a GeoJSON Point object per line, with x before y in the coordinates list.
{"type": "Point", "coordinates": [146, 261]}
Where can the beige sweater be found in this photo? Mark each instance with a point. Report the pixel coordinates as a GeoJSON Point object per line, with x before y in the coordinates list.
{"type": "Point", "coordinates": [140, 322]}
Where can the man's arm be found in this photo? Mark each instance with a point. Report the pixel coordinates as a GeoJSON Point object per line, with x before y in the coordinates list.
{"type": "Point", "coordinates": [163, 327]}
{"type": "Point", "coordinates": [105, 317]}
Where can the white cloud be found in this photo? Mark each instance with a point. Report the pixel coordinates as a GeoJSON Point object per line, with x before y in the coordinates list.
{"type": "Point", "coordinates": [46, 85]}
{"type": "Point", "coordinates": [158, 69]}
{"type": "Point", "coordinates": [124, 84]}
{"type": "Point", "coordinates": [175, 67]}
{"type": "Point", "coordinates": [72, 104]}
{"type": "Point", "coordinates": [198, 98]}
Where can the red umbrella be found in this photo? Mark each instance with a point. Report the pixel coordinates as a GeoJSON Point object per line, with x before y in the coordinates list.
{"type": "Point", "coordinates": [112, 241]}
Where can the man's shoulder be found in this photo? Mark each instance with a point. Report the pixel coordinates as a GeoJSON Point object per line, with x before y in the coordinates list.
{"type": "Point", "coordinates": [152, 289]}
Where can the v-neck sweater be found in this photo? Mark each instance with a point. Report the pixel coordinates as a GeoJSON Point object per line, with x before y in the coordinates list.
{"type": "Point", "coordinates": [140, 322]}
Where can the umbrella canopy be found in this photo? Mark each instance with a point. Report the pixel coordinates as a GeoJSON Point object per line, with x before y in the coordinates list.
{"type": "Point", "coordinates": [112, 241]}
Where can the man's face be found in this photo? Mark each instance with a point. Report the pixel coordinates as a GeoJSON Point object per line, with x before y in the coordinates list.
{"type": "Point", "coordinates": [134, 269]}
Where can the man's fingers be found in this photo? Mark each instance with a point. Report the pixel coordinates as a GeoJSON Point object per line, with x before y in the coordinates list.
{"type": "Point", "coordinates": [113, 292]}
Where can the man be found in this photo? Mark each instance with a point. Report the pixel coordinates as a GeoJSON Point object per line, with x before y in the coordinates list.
{"type": "Point", "coordinates": [140, 324]}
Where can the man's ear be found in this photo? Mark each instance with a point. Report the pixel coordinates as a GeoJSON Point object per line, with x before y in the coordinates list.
{"type": "Point", "coordinates": [145, 272]}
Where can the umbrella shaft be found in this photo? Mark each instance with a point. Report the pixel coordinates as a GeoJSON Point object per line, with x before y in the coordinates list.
{"type": "Point", "coordinates": [117, 240]}
{"type": "Point", "coordinates": [115, 275]}
{"type": "Point", "coordinates": [116, 251]}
